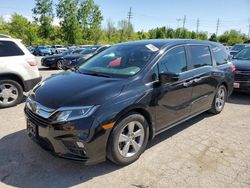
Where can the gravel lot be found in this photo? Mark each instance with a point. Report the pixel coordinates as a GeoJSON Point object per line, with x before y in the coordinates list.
{"type": "Point", "coordinates": [206, 151]}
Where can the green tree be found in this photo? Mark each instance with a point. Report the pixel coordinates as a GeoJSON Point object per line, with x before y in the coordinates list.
{"type": "Point", "coordinates": [43, 14]}
{"type": "Point", "coordinates": [18, 26]}
{"type": "Point", "coordinates": [90, 19]}
{"type": "Point", "coordinates": [213, 37]}
{"type": "Point", "coordinates": [67, 11]}
{"type": "Point", "coordinates": [4, 26]}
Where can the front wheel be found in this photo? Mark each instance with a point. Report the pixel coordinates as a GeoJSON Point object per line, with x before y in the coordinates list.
{"type": "Point", "coordinates": [59, 64]}
{"type": "Point", "coordinates": [128, 139]}
{"type": "Point", "coordinates": [219, 100]}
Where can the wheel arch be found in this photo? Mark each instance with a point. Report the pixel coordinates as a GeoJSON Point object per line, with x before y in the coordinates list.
{"type": "Point", "coordinates": [14, 77]}
{"type": "Point", "coordinates": [140, 109]}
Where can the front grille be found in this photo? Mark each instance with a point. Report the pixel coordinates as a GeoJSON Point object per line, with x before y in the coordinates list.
{"type": "Point", "coordinates": [242, 76]}
{"type": "Point", "coordinates": [36, 119]}
{"type": "Point", "coordinates": [73, 148]}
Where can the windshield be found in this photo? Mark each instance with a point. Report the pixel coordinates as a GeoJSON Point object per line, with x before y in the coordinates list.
{"type": "Point", "coordinates": [121, 60]}
{"type": "Point", "coordinates": [237, 47]}
{"type": "Point", "coordinates": [243, 54]}
{"type": "Point", "coordinates": [88, 51]}
{"type": "Point", "coordinates": [67, 52]}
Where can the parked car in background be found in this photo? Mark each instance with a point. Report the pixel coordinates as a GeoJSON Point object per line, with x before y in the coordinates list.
{"type": "Point", "coordinates": [18, 71]}
{"type": "Point", "coordinates": [115, 102]}
{"type": "Point", "coordinates": [59, 49]}
{"type": "Point", "coordinates": [55, 61]}
{"type": "Point", "coordinates": [72, 61]}
{"type": "Point", "coordinates": [42, 51]}
{"type": "Point", "coordinates": [237, 47]}
{"type": "Point", "coordinates": [31, 49]}
{"type": "Point", "coordinates": [242, 73]}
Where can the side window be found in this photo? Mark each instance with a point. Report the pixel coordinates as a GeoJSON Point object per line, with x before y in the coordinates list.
{"type": "Point", "coordinates": [220, 54]}
{"type": "Point", "coordinates": [174, 61]}
{"type": "Point", "coordinates": [200, 56]}
{"type": "Point", "coordinates": [8, 48]}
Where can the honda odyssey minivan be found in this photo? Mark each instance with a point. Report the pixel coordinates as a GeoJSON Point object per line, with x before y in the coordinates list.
{"type": "Point", "coordinates": [114, 103]}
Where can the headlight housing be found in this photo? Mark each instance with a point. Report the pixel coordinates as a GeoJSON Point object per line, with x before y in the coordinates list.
{"type": "Point", "coordinates": [73, 113]}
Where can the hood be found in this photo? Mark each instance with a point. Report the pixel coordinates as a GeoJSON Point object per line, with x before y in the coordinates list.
{"type": "Point", "coordinates": [72, 56]}
{"type": "Point", "coordinates": [242, 65]}
{"type": "Point", "coordinates": [53, 56]}
{"type": "Point", "coordinates": [74, 89]}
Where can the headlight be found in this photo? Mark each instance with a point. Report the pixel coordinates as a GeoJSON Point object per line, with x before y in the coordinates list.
{"type": "Point", "coordinates": [73, 113]}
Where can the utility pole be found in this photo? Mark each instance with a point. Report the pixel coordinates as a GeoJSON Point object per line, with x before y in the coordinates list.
{"type": "Point", "coordinates": [130, 15]}
{"type": "Point", "coordinates": [184, 22]}
{"type": "Point", "coordinates": [178, 21]}
{"type": "Point", "coordinates": [217, 26]}
{"type": "Point", "coordinates": [249, 28]}
{"type": "Point", "coordinates": [197, 25]}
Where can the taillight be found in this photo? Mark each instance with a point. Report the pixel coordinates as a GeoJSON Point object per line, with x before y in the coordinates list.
{"type": "Point", "coordinates": [233, 68]}
{"type": "Point", "coordinates": [31, 61]}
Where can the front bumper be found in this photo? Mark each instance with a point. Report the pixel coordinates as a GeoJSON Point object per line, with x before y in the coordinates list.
{"type": "Point", "coordinates": [49, 63]}
{"type": "Point", "coordinates": [70, 144]}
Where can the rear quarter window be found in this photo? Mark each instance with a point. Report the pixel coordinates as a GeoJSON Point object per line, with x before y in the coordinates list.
{"type": "Point", "coordinates": [220, 54]}
{"type": "Point", "coordinates": [200, 56]}
{"type": "Point", "coordinates": [9, 48]}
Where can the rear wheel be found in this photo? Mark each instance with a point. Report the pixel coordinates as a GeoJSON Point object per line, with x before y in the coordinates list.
{"type": "Point", "coordinates": [128, 140]}
{"type": "Point", "coordinates": [219, 100]}
{"type": "Point", "coordinates": [11, 93]}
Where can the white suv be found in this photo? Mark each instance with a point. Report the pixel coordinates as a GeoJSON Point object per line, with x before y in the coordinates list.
{"type": "Point", "coordinates": [18, 71]}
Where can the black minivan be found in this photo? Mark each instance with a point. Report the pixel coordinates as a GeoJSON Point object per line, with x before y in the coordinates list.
{"type": "Point", "coordinates": [112, 105]}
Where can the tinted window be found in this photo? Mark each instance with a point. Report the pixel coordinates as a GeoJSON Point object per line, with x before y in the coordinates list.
{"type": "Point", "coordinates": [200, 56]}
{"type": "Point", "coordinates": [174, 61]}
{"type": "Point", "coordinates": [220, 55]}
{"type": "Point", "coordinates": [8, 48]}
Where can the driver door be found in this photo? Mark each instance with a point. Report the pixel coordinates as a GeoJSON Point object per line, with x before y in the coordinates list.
{"type": "Point", "coordinates": [174, 102]}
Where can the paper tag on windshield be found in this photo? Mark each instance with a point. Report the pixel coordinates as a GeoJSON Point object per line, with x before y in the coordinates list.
{"type": "Point", "coordinates": [152, 47]}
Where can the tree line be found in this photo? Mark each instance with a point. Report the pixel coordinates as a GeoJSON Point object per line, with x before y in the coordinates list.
{"type": "Point", "coordinates": [80, 22]}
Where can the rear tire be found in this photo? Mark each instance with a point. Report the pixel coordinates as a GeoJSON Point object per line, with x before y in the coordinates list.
{"type": "Point", "coordinates": [128, 140]}
{"type": "Point", "coordinates": [219, 100]}
{"type": "Point", "coordinates": [11, 93]}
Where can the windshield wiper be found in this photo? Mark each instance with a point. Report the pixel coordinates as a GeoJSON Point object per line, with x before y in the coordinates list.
{"type": "Point", "coordinates": [97, 74]}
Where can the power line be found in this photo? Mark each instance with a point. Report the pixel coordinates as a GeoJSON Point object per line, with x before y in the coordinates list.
{"type": "Point", "coordinates": [130, 15]}
{"type": "Point", "coordinates": [248, 28]}
{"type": "Point", "coordinates": [217, 26]}
{"type": "Point", "coordinates": [197, 25]}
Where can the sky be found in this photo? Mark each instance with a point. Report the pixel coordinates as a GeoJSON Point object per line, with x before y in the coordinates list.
{"type": "Point", "coordinates": [148, 14]}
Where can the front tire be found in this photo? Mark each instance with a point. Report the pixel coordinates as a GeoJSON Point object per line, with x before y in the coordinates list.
{"type": "Point", "coordinates": [59, 64]}
{"type": "Point", "coordinates": [11, 93]}
{"type": "Point", "coordinates": [128, 140]}
{"type": "Point", "coordinates": [219, 100]}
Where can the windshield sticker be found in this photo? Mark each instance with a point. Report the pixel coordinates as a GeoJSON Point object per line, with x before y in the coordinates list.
{"type": "Point", "coordinates": [152, 47]}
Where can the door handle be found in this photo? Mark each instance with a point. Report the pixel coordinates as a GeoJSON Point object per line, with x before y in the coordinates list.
{"type": "Point", "coordinates": [188, 83]}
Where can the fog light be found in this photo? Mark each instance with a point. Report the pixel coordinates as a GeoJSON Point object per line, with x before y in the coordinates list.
{"type": "Point", "coordinates": [80, 144]}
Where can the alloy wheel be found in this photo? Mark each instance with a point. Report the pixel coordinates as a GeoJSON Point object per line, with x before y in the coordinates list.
{"type": "Point", "coordinates": [131, 139]}
{"type": "Point", "coordinates": [59, 64]}
{"type": "Point", "coordinates": [220, 99]}
{"type": "Point", "coordinates": [8, 93]}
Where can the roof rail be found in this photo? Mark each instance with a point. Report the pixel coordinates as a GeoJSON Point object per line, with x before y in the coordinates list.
{"type": "Point", "coordinates": [4, 36]}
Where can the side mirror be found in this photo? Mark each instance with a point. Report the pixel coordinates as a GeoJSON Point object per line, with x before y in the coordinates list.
{"type": "Point", "coordinates": [168, 77]}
